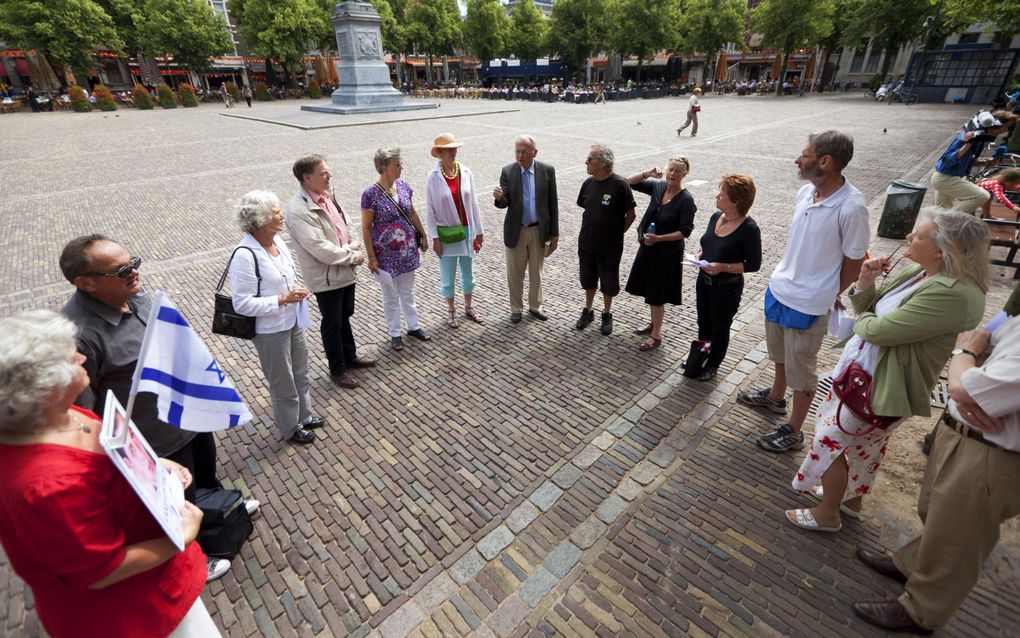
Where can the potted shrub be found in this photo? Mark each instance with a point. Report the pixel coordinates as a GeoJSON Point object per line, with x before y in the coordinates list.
{"type": "Point", "coordinates": [314, 91]}
{"type": "Point", "coordinates": [166, 96]}
{"type": "Point", "coordinates": [104, 98]}
{"type": "Point", "coordinates": [235, 93]}
{"type": "Point", "coordinates": [187, 94]}
{"type": "Point", "coordinates": [79, 101]}
{"type": "Point", "coordinates": [262, 92]}
{"type": "Point", "coordinates": [140, 96]}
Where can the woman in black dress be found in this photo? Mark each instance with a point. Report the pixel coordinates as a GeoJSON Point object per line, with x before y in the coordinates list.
{"type": "Point", "coordinates": [732, 246]}
{"type": "Point", "coordinates": [656, 273]}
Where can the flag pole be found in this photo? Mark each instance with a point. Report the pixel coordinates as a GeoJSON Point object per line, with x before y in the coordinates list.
{"type": "Point", "coordinates": [137, 376]}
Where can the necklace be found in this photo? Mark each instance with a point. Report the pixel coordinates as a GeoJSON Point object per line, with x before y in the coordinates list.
{"type": "Point", "coordinates": [727, 220]}
{"type": "Point", "coordinates": [456, 171]}
{"type": "Point", "coordinates": [81, 427]}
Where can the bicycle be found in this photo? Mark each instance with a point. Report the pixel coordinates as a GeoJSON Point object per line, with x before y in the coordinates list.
{"type": "Point", "coordinates": [902, 95]}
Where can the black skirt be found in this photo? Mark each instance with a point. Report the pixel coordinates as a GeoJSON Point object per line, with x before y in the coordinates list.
{"type": "Point", "coordinates": [657, 274]}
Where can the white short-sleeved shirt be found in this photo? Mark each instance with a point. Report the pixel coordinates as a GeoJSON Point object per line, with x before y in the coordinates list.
{"type": "Point", "coordinates": [995, 386]}
{"type": "Point", "coordinates": [821, 235]}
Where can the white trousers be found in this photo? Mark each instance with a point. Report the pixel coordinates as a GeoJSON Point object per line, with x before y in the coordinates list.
{"type": "Point", "coordinates": [197, 623]}
{"type": "Point", "coordinates": [397, 299]}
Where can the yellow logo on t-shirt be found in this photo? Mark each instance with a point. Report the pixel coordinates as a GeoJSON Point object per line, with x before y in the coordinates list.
{"type": "Point", "coordinates": [605, 199]}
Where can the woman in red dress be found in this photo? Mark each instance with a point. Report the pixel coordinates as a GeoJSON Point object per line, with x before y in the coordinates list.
{"type": "Point", "coordinates": [70, 523]}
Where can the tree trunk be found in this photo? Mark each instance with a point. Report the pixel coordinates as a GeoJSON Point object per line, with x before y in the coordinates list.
{"type": "Point", "coordinates": [428, 69]}
{"type": "Point", "coordinates": [886, 63]}
{"type": "Point", "coordinates": [782, 73]}
{"type": "Point", "coordinates": [714, 56]}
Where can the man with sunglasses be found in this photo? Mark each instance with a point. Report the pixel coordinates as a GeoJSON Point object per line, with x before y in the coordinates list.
{"type": "Point", "coordinates": [110, 312]}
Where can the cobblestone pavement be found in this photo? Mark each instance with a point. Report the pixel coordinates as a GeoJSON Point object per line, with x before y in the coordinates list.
{"type": "Point", "coordinates": [503, 479]}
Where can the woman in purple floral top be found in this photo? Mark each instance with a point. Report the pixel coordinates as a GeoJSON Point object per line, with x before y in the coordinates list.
{"type": "Point", "coordinates": [391, 227]}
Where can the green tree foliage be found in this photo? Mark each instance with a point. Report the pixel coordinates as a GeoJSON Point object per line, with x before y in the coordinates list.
{"type": "Point", "coordinates": [527, 31]}
{"type": "Point", "coordinates": [642, 27]}
{"type": "Point", "coordinates": [434, 26]}
{"type": "Point", "coordinates": [577, 29]}
{"type": "Point", "coordinates": [788, 25]}
{"type": "Point", "coordinates": [104, 98]}
{"type": "Point", "coordinates": [140, 96]}
{"type": "Point", "coordinates": [707, 26]}
{"type": "Point", "coordinates": [394, 33]}
{"type": "Point", "coordinates": [891, 24]}
{"type": "Point", "coordinates": [957, 15]}
{"type": "Point", "coordinates": [65, 31]}
{"type": "Point", "coordinates": [122, 13]}
{"type": "Point", "coordinates": [280, 30]}
{"type": "Point", "coordinates": [324, 36]}
{"type": "Point", "coordinates": [486, 29]}
{"type": "Point", "coordinates": [188, 30]}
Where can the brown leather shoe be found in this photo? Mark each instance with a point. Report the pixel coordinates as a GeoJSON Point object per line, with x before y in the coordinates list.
{"type": "Point", "coordinates": [881, 564]}
{"type": "Point", "coordinates": [888, 614]}
{"type": "Point", "coordinates": [346, 380]}
{"type": "Point", "coordinates": [361, 362]}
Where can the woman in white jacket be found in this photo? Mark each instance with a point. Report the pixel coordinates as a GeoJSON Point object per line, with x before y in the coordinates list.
{"type": "Point", "coordinates": [264, 285]}
{"type": "Point", "coordinates": [453, 221]}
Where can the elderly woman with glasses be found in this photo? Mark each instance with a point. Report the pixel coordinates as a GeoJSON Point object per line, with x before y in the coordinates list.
{"type": "Point", "coordinates": [454, 222]}
{"type": "Point", "coordinates": [656, 274]}
{"type": "Point", "coordinates": [393, 236]}
{"type": "Point", "coordinates": [264, 284]}
{"type": "Point", "coordinates": [71, 525]}
{"type": "Point", "coordinates": [905, 330]}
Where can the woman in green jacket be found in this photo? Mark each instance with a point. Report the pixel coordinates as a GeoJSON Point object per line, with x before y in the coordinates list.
{"type": "Point", "coordinates": [903, 336]}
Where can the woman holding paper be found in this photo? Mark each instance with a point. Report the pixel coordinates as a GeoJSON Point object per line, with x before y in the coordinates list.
{"type": "Point", "coordinates": [264, 284]}
{"type": "Point", "coordinates": [732, 246]}
{"type": "Point", "coordinates": [72, 526]}
{"type": "Point", "coordinates": [656, 274]}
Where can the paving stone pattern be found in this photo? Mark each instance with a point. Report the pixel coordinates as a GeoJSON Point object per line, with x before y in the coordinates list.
{"type": "Point", "coordinates": [501, 480]}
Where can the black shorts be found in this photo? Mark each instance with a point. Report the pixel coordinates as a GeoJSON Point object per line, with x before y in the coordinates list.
{"type": "Point", "coordinates": [599, 268]}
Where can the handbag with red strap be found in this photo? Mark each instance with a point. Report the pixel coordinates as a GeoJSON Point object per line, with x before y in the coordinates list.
{"type": "Point", "coordinates": [853, 388]}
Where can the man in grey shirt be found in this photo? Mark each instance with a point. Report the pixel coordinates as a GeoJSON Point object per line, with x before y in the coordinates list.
{"type": "Point", "coordinates": [110, 312]}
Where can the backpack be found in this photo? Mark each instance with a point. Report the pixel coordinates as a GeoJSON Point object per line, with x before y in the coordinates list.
{"type": "Point", "coordinates": [226, 524]}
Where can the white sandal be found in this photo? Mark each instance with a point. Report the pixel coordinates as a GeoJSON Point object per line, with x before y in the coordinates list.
{"type": "Point", "coordinates": [804, 519]}
{"type": "Point", "coordinates": [817, 491]}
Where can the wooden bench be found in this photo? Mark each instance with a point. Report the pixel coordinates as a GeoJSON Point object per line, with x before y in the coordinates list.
{"type": "Point", "coordinates": [1004, 231]}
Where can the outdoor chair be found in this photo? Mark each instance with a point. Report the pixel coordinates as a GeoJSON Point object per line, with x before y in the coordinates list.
{"type": "Point", "coordinates": [1005, 233]}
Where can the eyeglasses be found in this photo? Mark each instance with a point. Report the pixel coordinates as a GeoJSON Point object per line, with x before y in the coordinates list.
{"type": "Point", "coordinates": [805, 155]}
{"type": "Point", "coordinates": [589, 160]}
{"type": "Point", "coordinates": [888, 271]}
{"type": "Point", "coordinates": [121, 273]}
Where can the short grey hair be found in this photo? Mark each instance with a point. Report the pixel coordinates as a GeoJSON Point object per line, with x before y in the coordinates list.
{"type": "Point", "coordinates": [682, 160]}
{"type": "Point", "coordinates": [35, 366]}
{"type": "Point", "coordinates": [839, 146]}
{"type": "Point", "coordinates": [603, 154]}
{"type": "Point", "coordinates": [527, 139]}
{"type": "Point", "coordinates": [384, 156]}
{"type": "Point", "coordinates": [255, 210]}
{"type": "Point", "coordinates": [963, 240]}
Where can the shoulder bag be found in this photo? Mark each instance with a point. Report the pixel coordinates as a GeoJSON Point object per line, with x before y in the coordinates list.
{"type": "Point", "coordinates": [853, 389]}
{"type": "Point", "coordinates": [458, 233]}
{"type": "Point", "coordinates": [419, 237]}
{"type": "Point", "coordinates": [227, 321]}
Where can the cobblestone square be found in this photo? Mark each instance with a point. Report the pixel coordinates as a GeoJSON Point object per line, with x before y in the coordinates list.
{"type": "Point", "coordinates": [502, 479]}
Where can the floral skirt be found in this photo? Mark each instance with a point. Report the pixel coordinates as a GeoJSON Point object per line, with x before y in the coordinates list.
{"type": "Point", "coordinates": [864, 453]}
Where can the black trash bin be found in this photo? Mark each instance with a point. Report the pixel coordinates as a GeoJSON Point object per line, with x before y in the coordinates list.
{"type": "Point", "coordinates": [902, 203]}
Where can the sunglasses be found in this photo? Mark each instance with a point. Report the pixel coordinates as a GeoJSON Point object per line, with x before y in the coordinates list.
{"type": "Point", "coordinates": [121, 273]}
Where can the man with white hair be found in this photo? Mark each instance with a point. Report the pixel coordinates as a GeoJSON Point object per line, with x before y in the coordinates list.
{"type": "Point", "coordinates": [527, 190]}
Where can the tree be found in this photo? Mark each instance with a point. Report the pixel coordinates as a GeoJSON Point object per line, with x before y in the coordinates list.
{"type": "Point", "coordinates": [890, 23]}
{"type": "Point", "coordinates": [577, 29]}
{"type": "Point", "coordinates": [486, 29]}
{"type": "Point", "coordinates": [527, 31]}
{"type": "Point", "coordinates": [642, 27]}
{"type": "Point", "coordinates": [65, 31]}
{"type": "Point", "coordinates": [707, 25]}
{"type": "Point", "coordinates": [278, 30]}
{"type": "Point", "coordinates": [188, 30]}
{"type": "Point", "coordinates": [788, 25]}
{"type": "Point", "coordinates": [959, 14]}
{"type": "Point", "coordinates": [394, 34]}
{"type": "Point", "coordinates": [434, 27]}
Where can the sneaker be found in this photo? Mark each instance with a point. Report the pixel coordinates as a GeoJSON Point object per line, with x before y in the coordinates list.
{"type": "Point", "coordinates": [215, 568]}
{"type": "Point", "coordinates": [587, 316]}
{"type": "Point", "coordinates": [783, 439]}
{"type": "Point", "coordinates": [607, 323]}
{"type": "Point", "coordinates": [760, 399]}
{"type": "Point", "coordinates": [252, 505]}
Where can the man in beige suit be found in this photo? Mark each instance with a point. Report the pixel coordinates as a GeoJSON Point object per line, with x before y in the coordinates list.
{"type": "Point", "coordinates": [527, 189]}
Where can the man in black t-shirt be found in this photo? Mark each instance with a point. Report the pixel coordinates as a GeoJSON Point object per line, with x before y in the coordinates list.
{"type": "Point", "coordinates": [608, 212]}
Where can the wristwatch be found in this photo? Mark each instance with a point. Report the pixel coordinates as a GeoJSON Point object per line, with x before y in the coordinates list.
{"type": "Point", "coordinates": [957, 351]}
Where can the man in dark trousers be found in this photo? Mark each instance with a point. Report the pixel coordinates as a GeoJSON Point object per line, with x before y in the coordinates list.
{"type": "Point", "coordinates": [527, 190]}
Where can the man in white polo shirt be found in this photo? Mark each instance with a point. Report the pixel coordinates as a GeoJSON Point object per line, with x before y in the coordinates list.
{"type": "Point", "coordinates": [828, 239]}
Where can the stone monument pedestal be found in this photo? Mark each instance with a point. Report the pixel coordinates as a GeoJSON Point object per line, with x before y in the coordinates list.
{"type": "Point", "coordinates": [365, 85]}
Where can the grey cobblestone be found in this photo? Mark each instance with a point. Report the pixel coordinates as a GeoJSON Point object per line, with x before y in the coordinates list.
{"type": "Point", "coordinates": [545, 496]}
{"type": "Point", "coordinates": [466, 567]}
{"type": "Point", "coordinates": [522, 516]}
{"type": "Point", "coordinates": [495, 541]}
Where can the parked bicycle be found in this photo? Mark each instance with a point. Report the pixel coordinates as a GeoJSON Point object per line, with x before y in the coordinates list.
{"type": "Point", "coordinates": [901, 94]}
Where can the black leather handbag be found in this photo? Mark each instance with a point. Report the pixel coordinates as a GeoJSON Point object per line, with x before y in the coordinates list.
{"type": "Point", "coordinates": [227, 321]}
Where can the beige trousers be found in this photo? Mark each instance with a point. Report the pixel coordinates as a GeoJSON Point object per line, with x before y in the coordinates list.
{"type": "Point", "coordinates": [968, 490]}
{"type": "Point", "coordinates": [528, 254]}
{"type": "Point", "coordinates": [692, 118]}
{"type": "Point", "coordinates": [958, 194]}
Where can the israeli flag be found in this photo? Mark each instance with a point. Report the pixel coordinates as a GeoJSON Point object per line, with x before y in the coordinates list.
{"type": "Point", "coordinates": [193, 392]}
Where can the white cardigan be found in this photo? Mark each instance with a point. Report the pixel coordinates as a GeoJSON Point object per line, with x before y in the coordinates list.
{"type": "Point", "coordinates": [441, 211]}
{"type": "Point", "coordinates": [279, 276]}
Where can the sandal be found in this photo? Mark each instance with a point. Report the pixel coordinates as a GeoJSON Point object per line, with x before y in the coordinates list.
{"type": "Point", "coordinates": [647, 330]}
{"type": "Point", "coordinates": [804, 519]}
{"type": "Point", "coordinates": [817, 491]}
{"type": "Point", "coordinates": [472, 315]}
{"type": "Point", "coordinates": [452, 320]}
{"type": "Point", "coordinates": [651, 343]}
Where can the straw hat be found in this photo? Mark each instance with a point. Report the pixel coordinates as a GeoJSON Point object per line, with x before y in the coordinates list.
{"type": "Point", "coordinates": [444, 140]}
